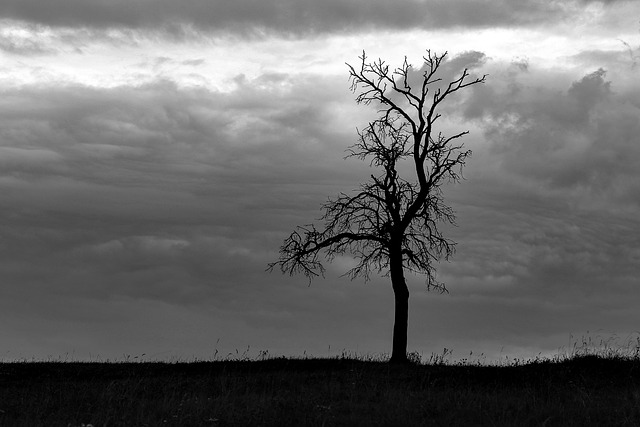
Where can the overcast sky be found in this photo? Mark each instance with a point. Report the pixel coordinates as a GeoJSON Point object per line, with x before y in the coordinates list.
{"type": "Point", "coordinates": [155, 153]}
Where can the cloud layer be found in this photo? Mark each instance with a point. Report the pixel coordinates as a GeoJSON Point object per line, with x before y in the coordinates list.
{"type": "Point", "coordinates": [288, 16]}
{"type": "Point", "coordinates": [140, 216]}
{"type": "Point", "coordinates": [156, 196]}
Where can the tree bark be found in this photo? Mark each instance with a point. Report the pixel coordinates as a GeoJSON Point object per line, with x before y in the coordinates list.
{"type": "Point", "coordinates": [401, 321]}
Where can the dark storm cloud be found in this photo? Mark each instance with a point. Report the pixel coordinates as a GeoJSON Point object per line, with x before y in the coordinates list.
{"type": "Point", "coordinates": [548, 215]}
{"type": "Point", "coordinates": [549, 267]}
{"type": "Point", "coordinates": [136, 205]}
{"type": "Point", "coordinates": [154, 209]}
{"type": "Point", "coordinates": [155, 192]}
{"type": "Point", "coordinates": [582, 137]}
{"type": "Point", "coordinates": [285, 16]}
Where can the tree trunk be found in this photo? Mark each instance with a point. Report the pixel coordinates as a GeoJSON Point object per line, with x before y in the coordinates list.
{"type": "Point", "coordinates": [401, 321]}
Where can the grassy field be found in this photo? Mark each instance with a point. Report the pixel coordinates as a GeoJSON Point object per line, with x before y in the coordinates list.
{"type": "Point", "coordinates": [576, 391]}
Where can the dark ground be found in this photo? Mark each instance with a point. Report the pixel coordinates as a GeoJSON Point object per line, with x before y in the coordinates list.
{"type": "Point", "coordinates": [581, 391]}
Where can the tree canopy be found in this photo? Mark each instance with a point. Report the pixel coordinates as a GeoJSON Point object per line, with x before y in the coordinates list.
{"type": "Point", "coordinates": [391, 223]}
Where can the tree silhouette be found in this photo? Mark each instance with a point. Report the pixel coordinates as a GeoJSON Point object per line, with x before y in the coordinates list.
{"type": "Point", "coordinates": [390, 224]}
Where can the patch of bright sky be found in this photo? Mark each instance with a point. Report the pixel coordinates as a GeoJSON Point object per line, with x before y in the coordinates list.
{"type": "Point", "coordinates": [131, 57]}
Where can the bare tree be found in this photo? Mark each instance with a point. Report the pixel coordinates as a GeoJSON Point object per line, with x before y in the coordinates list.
{"type": "Point", "coordinates": [390, 224]}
